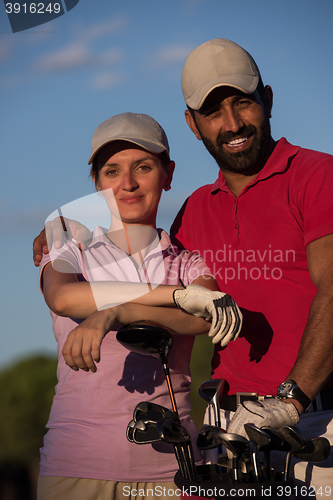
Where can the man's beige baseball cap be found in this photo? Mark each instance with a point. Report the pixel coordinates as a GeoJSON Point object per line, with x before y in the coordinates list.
{"type": "Point", "coordinates": [139, 129]}
{"type": "Point", "coordinates": [214, 64]}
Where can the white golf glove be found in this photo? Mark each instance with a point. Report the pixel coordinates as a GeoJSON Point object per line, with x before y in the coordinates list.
{"type": "Point", "coordinates": [272, 412]}
{"type": "Point", "coordinates": [217, 307]}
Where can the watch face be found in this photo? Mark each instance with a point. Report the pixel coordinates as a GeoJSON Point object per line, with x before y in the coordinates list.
{"type": "Point", "coordinates": [285, 388]}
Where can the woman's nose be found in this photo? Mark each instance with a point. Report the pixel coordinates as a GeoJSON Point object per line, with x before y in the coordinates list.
{"type": "Point", "coordinates": [129, 182]}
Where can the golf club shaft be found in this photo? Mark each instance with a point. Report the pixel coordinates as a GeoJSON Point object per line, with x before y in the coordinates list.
{"type": "Point", "coordinates": [172, 395]}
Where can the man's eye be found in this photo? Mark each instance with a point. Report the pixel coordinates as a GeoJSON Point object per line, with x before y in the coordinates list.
{"type": "Point", "coordinates": [244, 103]}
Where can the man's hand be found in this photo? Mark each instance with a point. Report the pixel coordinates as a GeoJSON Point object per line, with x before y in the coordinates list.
{"type": "Point", "coordinates": [83, 345]}
{"type": "Point", "coordinates": [58, 231]}
{"type": "Point", "coordinates": [217, 307]}
{"type": "Point", "coordinates": [272, 412]}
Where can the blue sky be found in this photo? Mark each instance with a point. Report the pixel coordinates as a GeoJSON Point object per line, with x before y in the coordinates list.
{"type": "Point", "coordinates": [59, 81]}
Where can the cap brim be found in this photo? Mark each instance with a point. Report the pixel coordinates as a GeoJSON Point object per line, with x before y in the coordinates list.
{"type": "Point", "coordinates": [153, 148]}
{"type": "Point", "coordinates": [244, 83]}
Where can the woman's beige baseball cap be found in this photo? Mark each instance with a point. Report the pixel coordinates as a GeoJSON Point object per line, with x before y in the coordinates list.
{"type": "Point", "coordinates": [139, 129]}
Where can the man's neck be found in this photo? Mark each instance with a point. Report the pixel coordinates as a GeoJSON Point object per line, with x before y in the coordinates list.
{"type": "Point", "coordinates": [236, 182]}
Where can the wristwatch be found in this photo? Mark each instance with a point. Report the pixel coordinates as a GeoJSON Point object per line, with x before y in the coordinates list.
{"type": "Point", "coordinates": [289, 389]}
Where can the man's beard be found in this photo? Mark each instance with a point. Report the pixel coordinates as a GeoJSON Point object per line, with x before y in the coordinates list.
{"type": "Point", "coordinates": [246, 160]}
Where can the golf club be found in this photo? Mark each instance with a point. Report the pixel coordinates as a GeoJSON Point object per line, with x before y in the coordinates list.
{"type": "Point", "coordinates": [152, 412]}
{"type": "Point", "coordinates": [149, 340]}
{"type": "Point", "coordinates": [295, 440]}
{"type": "Point", "coordinates": [208, 437]}
{"type": "Point", "coordinates": [258, 439]}
{"type": "Point", "coordinates": [210, 391]}
{"type": "Point", "coordinates": [315, 450]}
{"type": "Point", "coordinates": [237, 445]}
{"type": "Point", "coordinates": [129, 431]}
{"type": "Point", "coordinates": [173, 432]}
{"type": "Point", "coordinates": [277, 441]}
{"type": "Point", "coordinates": [144, 432]}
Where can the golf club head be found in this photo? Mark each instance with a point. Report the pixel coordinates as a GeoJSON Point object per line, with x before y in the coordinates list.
{"type": "Point", "coordinates": [277, 438]}
{"type": "Point", "coordinates": [172, 432]}
{"type": "Point", "coordinates": [208, 437]}
{"type": "Point", "coordinates": [315, 450]}
{"type": "Point", "coordinates": [148, 411]}
{"type": "Point", "coordinates": [145, 433]}
{"type": "Point", "coordinates": [292, 437]}
{"type": "Point", "coordinates": [234, 442]}
{"type": "Point", "coordinates": [209, 389]}
{"type": "Point", "coordinates": [129, 431]}
{"type": "Point", "coordinates": [257, 435]}
{"type": "Point", "coordinates": [146, 339]}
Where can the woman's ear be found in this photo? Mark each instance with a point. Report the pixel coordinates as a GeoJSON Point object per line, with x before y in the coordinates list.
{"type": "Point", "coordinates": [191, 123]}
{"type": "Point", "coordinates": [170, 169]}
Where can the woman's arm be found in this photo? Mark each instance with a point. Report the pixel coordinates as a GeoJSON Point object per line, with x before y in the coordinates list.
{"type": "Point", "coordinates": [67, 296]}
{"type": "Point", "coordinates": [82, 347]}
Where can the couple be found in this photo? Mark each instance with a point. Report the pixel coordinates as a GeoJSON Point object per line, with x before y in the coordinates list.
{"type": "Point", "coordinates": [269, 195]}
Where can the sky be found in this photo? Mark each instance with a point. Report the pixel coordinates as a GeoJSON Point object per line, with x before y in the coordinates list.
{"type": "Point", "coordinates": [60, 80]}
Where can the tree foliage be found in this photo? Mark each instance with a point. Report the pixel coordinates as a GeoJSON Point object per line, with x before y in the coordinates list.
{"type": "Point", "coordinates": [26, 391]}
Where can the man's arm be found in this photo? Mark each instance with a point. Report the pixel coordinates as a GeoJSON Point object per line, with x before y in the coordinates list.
{"type": "Point", "coordinates": [314, 362]}
{"type": "Point", "coordinates": [58, 231]}
{"type": "Point", "coordinates": [39, 247]}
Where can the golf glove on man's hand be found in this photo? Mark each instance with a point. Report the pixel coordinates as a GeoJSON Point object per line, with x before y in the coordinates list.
{"type": "Point", "coordinates": [272, 412]}
{"type": "Point", "coordinates": [217, 307]}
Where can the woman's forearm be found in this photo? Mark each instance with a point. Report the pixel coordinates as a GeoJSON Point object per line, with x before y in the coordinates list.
{"type": "Point", "coordinates": [66, 296]}
{"type": "Point", "coordinates": [177, 320]}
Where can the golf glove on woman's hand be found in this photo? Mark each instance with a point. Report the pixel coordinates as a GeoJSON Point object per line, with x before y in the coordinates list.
{"type": "Point", "coordinates": [217, 307]}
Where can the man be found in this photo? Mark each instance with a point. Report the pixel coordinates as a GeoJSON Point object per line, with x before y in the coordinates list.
{"type": "Point", "coordinates": [265, 230]}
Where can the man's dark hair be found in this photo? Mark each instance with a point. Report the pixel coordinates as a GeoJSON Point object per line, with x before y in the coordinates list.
{"type": "Point", "coordinates": [261, 92]}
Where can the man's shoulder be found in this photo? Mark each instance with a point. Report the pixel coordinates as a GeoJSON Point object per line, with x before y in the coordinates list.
{"type": "Point", "coordinates": [203, 191]}
{"type": "Point", "coordinates": [313, 157]}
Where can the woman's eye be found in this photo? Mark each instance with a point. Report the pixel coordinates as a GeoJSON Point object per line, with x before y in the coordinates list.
{"type": "Point", "coordinates": [111, 172]}
{"type": "Point", "coordinates": [144, 168]}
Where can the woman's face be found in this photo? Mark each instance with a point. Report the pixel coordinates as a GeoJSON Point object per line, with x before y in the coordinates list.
{"type": "Point", "coordinates": [136, 178]}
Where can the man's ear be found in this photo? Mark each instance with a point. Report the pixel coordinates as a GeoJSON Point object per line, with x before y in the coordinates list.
{"type": "Point", "coordinates": [268, 97]}
{"type": "Point", "coordinates": [191, 123]}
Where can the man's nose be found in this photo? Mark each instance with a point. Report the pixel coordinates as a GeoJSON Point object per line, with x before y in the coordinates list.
{"type": "Point", "coordinates": [232, 121]}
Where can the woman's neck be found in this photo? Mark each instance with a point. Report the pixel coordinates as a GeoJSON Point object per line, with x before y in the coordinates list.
{"type": "Point", "coordinates": [136, 241]}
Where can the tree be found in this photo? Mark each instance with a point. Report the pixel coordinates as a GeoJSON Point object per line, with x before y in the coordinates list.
{"type": "Point", "coordinates": [26, 390]}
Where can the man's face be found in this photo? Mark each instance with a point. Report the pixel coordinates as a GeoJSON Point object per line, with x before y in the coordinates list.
{"type": "Point", "coordinates": [235, 129]}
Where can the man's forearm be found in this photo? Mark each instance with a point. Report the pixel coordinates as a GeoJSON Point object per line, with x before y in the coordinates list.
{"type": "Point", "coordinates": [314, 362]}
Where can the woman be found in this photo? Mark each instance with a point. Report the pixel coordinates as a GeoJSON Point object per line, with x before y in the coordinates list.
{"type": "Point", "coordinates": [130, 272]}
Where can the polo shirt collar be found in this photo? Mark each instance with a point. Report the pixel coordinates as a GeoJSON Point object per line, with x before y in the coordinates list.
{"type": "Point", "coordinates": [277, 162]}
{"type": "Point", "coordinates": [99, 236]}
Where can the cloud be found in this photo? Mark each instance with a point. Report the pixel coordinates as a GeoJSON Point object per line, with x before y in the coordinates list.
{"type": "Point", "coordinates": [76, 55]}
{"type": "Point", "coordinates": [173, 54]}
{"type": "Point", "coordinates": [106, 28]}
{"type": "Point", "coordinates": [7, 45]}
{"type": "Point", "coordinates": [107, 80]}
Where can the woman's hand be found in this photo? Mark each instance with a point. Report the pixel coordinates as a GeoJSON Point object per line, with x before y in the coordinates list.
{"type": "Point", "coordinates": [82, 347]}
